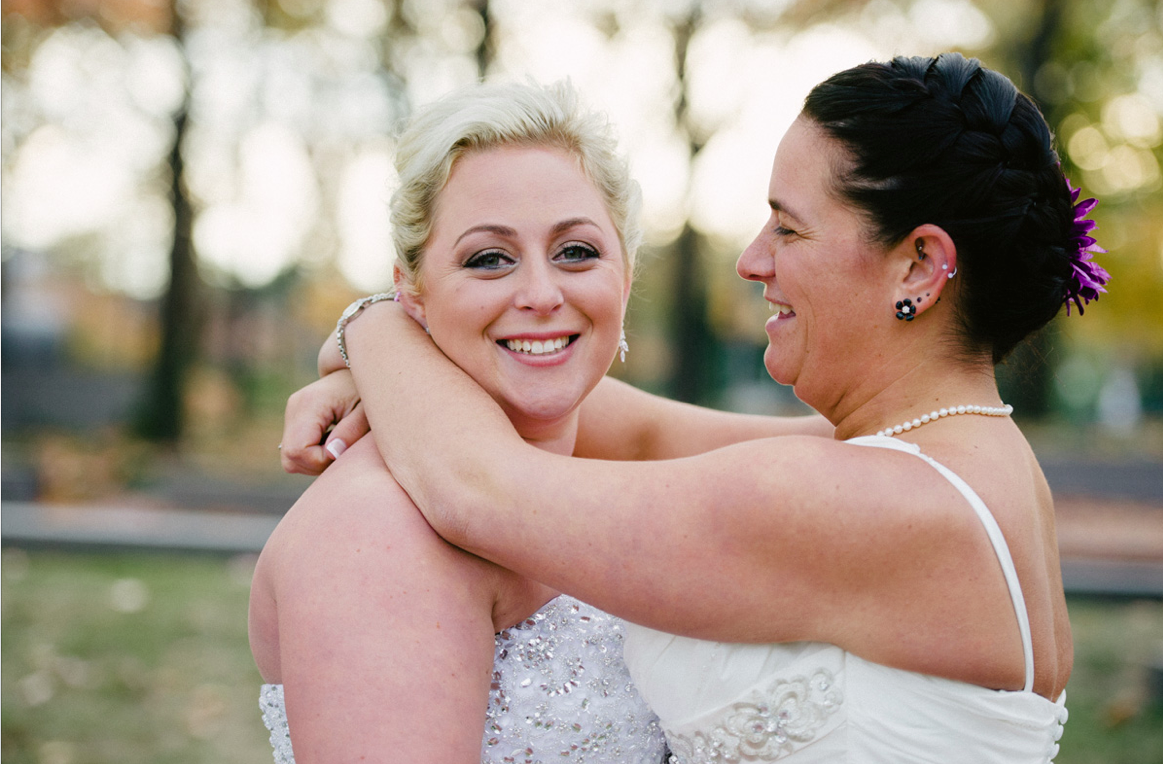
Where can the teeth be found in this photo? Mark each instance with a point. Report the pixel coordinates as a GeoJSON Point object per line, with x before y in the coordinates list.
{"type": "Point", "coordinates": [537, 347]}
{"type": "Point", "coordinates": [783, 310]}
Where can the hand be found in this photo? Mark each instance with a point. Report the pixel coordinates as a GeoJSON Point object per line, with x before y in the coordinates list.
{"type": "Point", "coordinates": [308, 448]}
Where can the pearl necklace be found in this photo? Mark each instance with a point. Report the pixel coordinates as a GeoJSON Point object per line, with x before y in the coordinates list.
{"type": "Point", "coordinates": [1003, 410]}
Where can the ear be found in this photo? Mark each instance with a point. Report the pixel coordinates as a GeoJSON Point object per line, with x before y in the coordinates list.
{"type": "Point", "coordinates": [413, 304]}
{"type": "Point", "coordinates": [926, 258]}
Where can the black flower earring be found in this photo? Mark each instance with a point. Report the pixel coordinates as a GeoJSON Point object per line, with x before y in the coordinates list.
{"type": "Point", "coordinates": [905, 310]}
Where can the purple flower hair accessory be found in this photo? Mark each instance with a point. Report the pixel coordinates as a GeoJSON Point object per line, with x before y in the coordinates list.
{"type": "Point", "coordinates": [1087, 278]}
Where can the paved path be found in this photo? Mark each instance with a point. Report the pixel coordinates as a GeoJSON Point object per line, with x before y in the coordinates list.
{"type": "Point", "coordinates": [111, 527]}
{"type": "Point", "coordinates": [1109, 547]}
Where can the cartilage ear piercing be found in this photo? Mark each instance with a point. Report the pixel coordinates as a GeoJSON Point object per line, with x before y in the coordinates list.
{"type": "Point", "coordinates": [951, 273]}
{"type": "Point", "coordinates": [920, 249]}
{"type": "Point", "coordinates": [905, 310]}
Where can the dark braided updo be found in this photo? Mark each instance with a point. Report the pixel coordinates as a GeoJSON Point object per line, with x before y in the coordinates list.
{"type": "Point", "coordinates": [949, 142]}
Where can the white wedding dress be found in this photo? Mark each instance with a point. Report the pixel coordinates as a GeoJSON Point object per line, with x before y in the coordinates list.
{"type": "Point", "coordinates": [806, 702]}
{"type": "Point", "coordinates": [560, 693]}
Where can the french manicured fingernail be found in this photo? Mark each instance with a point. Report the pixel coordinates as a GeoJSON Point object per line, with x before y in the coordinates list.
{"type": "Point", "coordinates": [336, 447]}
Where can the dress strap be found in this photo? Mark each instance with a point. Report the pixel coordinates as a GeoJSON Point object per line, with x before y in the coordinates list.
{"type": "Point", "coordinates": [1000, 548]}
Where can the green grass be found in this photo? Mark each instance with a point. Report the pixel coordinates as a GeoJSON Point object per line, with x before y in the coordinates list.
{"type": "Point", "coordinates": [1112, 717]}
{"type": "Point", "coordinates": [127, 658]}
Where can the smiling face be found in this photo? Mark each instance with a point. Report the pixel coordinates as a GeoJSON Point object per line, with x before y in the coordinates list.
{"type": "Point", "coordinates": [523, 282]}
{"type": "Point", "coordinates": [824, 279]}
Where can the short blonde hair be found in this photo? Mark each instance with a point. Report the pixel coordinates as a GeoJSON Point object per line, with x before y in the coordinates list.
{"type": "Point", "coordinates": [486, 116]}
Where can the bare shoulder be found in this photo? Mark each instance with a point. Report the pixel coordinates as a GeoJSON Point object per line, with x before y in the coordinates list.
{"type": "Point", "coordinates": [1009, 480]}
{"type": "Point", "coordinates": [810, 533]}
{"type": "Point", "coordinates": [357, 601]}
{"type": "Point", "coordinates": [352, 526]}
{"type": "Point", "coordinates": [355, 519]}
{"type": "Point", "coordinates": [356, 537]}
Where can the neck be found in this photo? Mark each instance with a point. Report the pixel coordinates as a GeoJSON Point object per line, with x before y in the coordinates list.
{"type": "Point", "coordinates": [557, 436]}
{"type": "Point", "coordinates": [916, 391]}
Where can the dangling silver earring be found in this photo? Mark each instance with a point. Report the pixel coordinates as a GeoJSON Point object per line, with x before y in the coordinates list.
{"type": "Point", "coordinates": [623, 346]}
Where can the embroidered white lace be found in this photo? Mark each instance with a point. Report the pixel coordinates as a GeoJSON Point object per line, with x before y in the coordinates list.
{"type": "Point", "coordinates": [774, 722]}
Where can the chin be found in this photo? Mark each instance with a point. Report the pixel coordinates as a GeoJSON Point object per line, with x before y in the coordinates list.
{"type": "Point", "coordinates": [777, 370]}
{"type": "Point", "coordinates": [547, 409]}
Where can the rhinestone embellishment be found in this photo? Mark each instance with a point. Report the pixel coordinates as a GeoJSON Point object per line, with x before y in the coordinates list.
{"type": "Point", "coordinates": [561, 692]}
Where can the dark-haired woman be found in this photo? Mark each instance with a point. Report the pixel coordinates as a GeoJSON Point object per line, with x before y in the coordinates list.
{"type": "Point", "coordinates": [892, 595]}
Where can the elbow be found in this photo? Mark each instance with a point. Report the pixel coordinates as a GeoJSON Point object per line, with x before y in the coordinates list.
{"type": "Point", "coordinates": [449, 500]}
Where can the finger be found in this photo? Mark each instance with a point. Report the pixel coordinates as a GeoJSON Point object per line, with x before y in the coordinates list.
{"type": "Point", "coordinates": [311, 460]}
{"type": "Point", "coordinates": [304, 429]}
{"type": "Point", "coordinates": [348, 430]}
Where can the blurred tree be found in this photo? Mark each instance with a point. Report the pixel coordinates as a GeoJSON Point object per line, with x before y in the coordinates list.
{"type": "Point", "coordinates": [690, 333]}
{"type": "Point", "coordinates": [1092, 65]}
{"type": "Point", "coordinates": [162, 414]}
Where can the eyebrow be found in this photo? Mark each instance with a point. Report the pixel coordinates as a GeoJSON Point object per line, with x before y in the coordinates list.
{"type": "Point", "coordinates": [778, 206]}
{"type": "Point", "coordinates": [569, 223]}
{"type": "Point", "coordinates": [500, 230]}
{"type": "Point", "coordinates": [506, 231]}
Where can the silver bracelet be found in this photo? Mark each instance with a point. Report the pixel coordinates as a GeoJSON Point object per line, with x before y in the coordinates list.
{"type": "Point", "coordinates": [351, 312]}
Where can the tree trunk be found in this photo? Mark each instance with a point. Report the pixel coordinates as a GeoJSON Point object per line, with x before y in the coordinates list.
{"type": "Point", "coordinates": [162, 416]}
{"type": "Point", "coordinates": [690, 334]}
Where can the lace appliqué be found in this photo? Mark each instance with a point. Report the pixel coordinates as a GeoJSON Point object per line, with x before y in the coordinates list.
{"type": "Point", "coordinates": [561, 692]}
{"type": "Point", "coordinates": [789, 714]}
{"type": "Point", "coordinates": [274, 716]}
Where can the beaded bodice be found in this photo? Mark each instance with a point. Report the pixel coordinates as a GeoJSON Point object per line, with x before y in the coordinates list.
{"type": "Point", "coordinates": [560, 692]}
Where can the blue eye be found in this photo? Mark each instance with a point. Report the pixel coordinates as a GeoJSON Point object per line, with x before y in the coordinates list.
{"type": "Point", "coordinates": [490, 259]}
{"type": "Point", "coordinates": [576, 252]}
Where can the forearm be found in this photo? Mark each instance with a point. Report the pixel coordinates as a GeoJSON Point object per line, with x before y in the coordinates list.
{"type": "Point", "coordinates": [442, 448]}
{"type": "Point", "coordinates": [620, 422]}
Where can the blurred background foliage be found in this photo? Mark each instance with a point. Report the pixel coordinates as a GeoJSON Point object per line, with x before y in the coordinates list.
{"type": "Point", "coordinates": [193, 189]}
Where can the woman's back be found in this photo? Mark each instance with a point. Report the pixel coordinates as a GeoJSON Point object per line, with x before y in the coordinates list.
{"type": "Point", "coordinates": [816, 702]}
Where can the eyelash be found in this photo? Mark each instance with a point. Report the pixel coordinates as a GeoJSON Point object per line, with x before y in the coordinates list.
{"type": "Point", "coordinates": [590, 253]}
{"type": "Point", "coordinates": [781, 231]}
{"type": "Point", "coordinates": [477, 261]}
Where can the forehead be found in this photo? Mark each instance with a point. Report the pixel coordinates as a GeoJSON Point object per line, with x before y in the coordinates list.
{"type": "Point", "coordinates": [805, 166]}
{"type": "Point", "coordinates": [506, 179]}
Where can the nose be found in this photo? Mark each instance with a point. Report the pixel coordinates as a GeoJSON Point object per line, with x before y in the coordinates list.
{"type": "Point", "coordinates": [539, 290]}
{"type": "Point", "coordinates": [757, 261]}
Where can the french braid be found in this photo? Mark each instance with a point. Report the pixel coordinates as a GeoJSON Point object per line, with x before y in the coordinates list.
{"type": "Point", "coordinates": [949, 142]}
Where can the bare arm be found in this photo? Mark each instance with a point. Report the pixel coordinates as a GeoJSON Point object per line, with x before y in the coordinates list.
{"type": "Point", "coordinates": [621, 422]}
{"type": "Point", "coordinates": [382, 633]}
{"type": "Point", "coordinates": [768, 540]}
{"type": "Point", "coordinates": [618, 422]}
